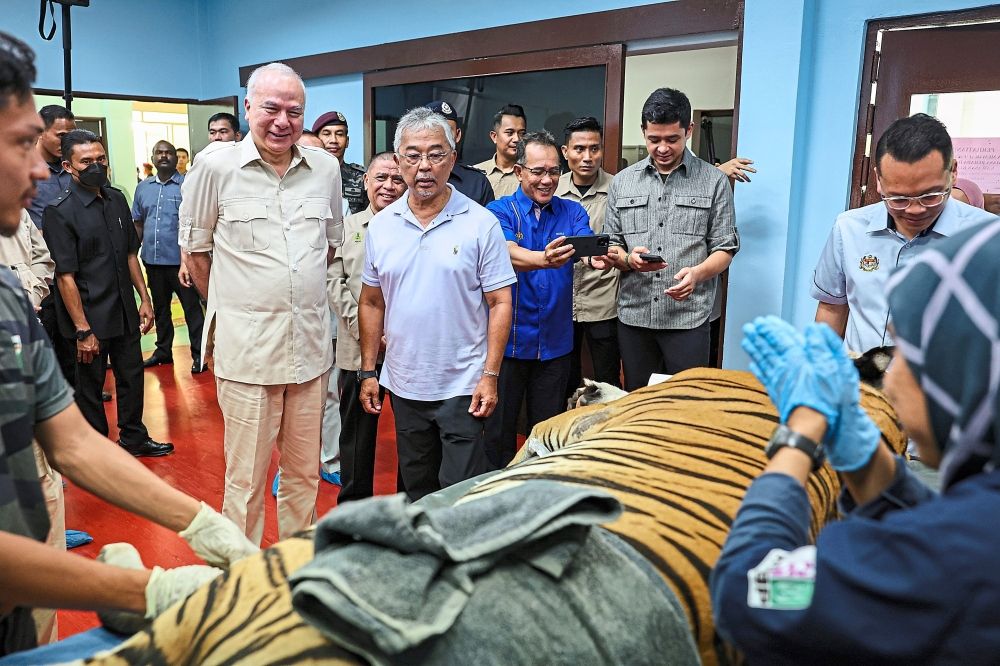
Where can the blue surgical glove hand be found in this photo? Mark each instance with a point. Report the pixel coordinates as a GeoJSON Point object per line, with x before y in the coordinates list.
{"type": "Point", "coordinates": [780, 358]}
{"type": "Point", "coordinates": [850, 445]}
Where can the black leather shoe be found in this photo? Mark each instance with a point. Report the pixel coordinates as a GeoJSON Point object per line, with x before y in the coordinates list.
{"type": "Point", "coordinates": [105, 396]}
{"type": "Point", "coordinates": [196, 367]}
{"type": "Point", "coordinates": [148, 449]}
{"type": "Point", "coordinates": [155, 360]}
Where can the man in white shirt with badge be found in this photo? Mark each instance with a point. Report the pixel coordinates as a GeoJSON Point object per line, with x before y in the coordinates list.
{"type": "Point", "coordinates": [915, 170]}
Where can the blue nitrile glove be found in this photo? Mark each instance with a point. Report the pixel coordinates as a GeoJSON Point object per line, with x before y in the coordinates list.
{"type": "Point", "coordinates": [780, 361]}
{"type": "Point", "coordinates": [850, 445]}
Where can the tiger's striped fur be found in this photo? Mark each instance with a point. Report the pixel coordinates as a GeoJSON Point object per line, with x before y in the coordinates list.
{"type": "Point", "coordinates": [678, 455]}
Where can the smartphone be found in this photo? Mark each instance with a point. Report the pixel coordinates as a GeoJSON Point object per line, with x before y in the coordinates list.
{"type": "Point", "coordinates": [589, 246]}
{"type": "Point", "coordinates": [651, 258]}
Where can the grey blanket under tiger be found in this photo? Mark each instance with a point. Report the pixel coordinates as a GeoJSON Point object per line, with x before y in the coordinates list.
{"type": "Point", "coordinates": [522, 577]}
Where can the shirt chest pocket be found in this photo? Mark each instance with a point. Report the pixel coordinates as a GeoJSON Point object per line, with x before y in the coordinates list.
{"type": "Point", "coordinates": [692, 212]}
{"type": "Point", "coordinates": [247, 221]}
{"type": "Point", "coordinates": [91, 247]}
{"type": "Point", "coordinates": [13, 388]}
{"type": "Point", "coordinates": [315, 216]}
{"type": "Point", "coordinates": [633, 211]}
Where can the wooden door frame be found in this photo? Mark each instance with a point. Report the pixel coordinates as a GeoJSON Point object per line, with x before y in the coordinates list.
{"type": "Point", "coordinates": [609, 55]}
{"type": "Point", "coordinates": [230, 100]}
{"type": "Point", "coordinates": [860, 164]}
{"type": "Point", "coordinates": [662, 20]}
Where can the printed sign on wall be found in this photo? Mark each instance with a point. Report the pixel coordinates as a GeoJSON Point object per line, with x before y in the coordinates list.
{"type": "Point", "coordinates": [979, 161]}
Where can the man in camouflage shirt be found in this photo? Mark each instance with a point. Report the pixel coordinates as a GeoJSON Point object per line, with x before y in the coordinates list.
{"type": "Point", "coordinates": [331, 128]}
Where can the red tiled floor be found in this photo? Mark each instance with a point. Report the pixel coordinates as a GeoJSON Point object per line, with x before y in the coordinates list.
{"type": "Point", "coordinates": [181, 408]}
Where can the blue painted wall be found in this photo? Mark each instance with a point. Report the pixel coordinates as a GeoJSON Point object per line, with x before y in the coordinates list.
{"type": "Point", "coordinates": [801, 76]}
{"type": "Point", "coordinates": [825, 140]}
{"type": "Point", "coordinates": [117, 46]}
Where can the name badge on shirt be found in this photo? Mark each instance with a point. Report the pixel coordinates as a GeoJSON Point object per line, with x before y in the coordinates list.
{"type": "Point", "coordinates": [15, 341]}
{"type": "Point", "coordinates": [783, 580]}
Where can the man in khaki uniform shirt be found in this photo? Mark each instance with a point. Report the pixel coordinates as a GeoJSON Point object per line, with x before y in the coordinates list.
{"type": "Point", "coordinates": [270, 212]}
{"type": "Point", "coordinates": [509, 126]}
{"type": "Point", "coordinates": [595, 293]}
{"type": "Point", "coordinates": [384, 184]}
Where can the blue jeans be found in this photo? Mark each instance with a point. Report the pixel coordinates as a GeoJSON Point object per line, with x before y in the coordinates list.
{"type": "Point", "coordinates": [79, 646]}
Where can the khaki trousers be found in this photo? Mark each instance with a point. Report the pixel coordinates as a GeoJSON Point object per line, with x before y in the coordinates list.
{"type": "Point", "coordinates": [258, 417]}
{"type": "Point", "coordinates": [46, 625]}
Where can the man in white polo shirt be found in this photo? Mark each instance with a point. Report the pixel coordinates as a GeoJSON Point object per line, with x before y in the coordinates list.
{"type": "Point", "coordinates": [915, 171]}
{"type": "Point", "coordinates": [437, 280]}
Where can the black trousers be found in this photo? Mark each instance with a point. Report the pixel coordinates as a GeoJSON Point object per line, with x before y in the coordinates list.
{"type": "Point", "coordinates": [358, 432]}
{"type": "Point", "coordinates": [126, 364]}
{"type": "Point", "coordinates": [64, 348]}
{"type": "Point", "coordinates": [541, 385]}
{"type": "Point", "coordinates": [648, 350]}
{"type": "Point", "coordinates": [606, 360]}
{"type": "Point", "coordinates": [163, 284]}
{"type": "Point", "coordinates": [439, 443]}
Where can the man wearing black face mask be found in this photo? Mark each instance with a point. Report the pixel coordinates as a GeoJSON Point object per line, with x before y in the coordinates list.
{"type": "Point", "coordinates": [90, 234]}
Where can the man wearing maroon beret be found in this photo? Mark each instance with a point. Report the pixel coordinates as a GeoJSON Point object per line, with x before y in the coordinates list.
{"type": "Point", "coordinates": [331, 128]}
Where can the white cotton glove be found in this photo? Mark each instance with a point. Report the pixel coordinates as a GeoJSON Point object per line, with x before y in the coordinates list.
{"type": "Point", "coordinates": [216, 539]}
{"type": "Point", "coordinates": [165, 587]}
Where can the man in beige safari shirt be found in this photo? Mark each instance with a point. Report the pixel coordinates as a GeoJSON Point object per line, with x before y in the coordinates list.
{"type": "Point", "coordinates": [509, 126]}
{"type": "Point", "coordinates": [384, 184]}
{"type": "Point", "coordinates": [595, 293]}
{"type": "Point", "coordinates": [270, 212]}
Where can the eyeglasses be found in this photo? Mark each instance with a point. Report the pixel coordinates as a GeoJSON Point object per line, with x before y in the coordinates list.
{"type": "Point", "coordinates": [929, 200]}
{"type": "Point", "coordinates": [435, 157]}
{"type": "Point", "coordinates": [539, 172]}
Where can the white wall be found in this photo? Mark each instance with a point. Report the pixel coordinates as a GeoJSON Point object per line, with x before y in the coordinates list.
{"type": "Point", "coordinates": [706, 76]}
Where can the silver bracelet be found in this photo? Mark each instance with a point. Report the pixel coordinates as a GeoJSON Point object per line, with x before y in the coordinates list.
{"type": "Point", "coordinates": [490, 373]}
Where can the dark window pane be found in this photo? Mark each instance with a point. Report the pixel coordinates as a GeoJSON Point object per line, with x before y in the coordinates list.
{"type": "Point", "coordinates": [550, 99]}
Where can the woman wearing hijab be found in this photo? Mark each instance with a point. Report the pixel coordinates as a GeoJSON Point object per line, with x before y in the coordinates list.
{"type": "Point", "coordinates": [908, 576]}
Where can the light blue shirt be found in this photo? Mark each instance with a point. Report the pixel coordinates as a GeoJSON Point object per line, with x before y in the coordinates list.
{"type": "Point", "coordinates": [862, 251]}
{"type": "Point", "coordinates": [156, 207]}
{"type": "Point", "coordinates": [433, 281]}
{"type": "Point", "coordinates": [48, 190]}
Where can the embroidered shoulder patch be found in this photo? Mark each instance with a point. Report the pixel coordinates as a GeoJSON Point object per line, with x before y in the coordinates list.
{"type": "Point", "coordinates": [868, 263]}
{"type": "Point", "coordinates": [783, 580]}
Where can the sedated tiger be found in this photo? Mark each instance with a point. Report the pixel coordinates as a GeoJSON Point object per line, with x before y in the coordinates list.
{"type": "Point", "coordinates": [678, 455]}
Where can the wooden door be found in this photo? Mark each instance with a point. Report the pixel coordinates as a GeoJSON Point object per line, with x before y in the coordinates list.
{"type": "Point", "coordinates": [920, 61]}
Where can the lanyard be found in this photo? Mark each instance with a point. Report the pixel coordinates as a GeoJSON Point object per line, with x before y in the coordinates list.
{"type": "Point", "coordinates": [517, 234]}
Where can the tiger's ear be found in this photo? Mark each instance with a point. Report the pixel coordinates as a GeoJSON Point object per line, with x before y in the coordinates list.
{"type": "Point", "coordinates": [872, 365]}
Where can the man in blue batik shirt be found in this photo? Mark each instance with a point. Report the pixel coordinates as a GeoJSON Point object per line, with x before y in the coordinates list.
{"type": "Point", "coordinates": [155, 212]}
{"type": "Point", "coordinates": [536, 363]}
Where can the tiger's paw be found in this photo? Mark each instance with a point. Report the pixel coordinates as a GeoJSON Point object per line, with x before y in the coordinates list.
{"type": "Point", "coordinates": [594, 393]}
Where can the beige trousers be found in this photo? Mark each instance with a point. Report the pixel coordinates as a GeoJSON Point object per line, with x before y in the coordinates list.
{"type": "Point", "coordinates": [258, 417]}
{"type": "Point", "coordinates": [46, 625]}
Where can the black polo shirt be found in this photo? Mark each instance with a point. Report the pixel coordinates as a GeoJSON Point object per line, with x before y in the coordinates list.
{"type": "Point", "coordinates": [92, 236]}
